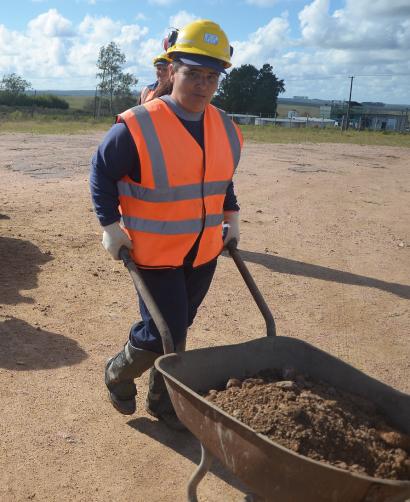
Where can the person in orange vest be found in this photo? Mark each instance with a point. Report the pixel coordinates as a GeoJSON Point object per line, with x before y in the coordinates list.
{"type": "Point", "coordinates": [161, 184]}
{"type": "Point", "coordinates": [161, 69]}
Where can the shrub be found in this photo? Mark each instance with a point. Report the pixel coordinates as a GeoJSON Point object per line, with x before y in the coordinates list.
{"type": "Point", "coordinates": [43, 101]}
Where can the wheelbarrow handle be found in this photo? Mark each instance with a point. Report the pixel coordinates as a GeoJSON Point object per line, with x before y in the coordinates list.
{"type": "Point", "coordinates": [144, 292]}
{"type": "Point", "coordinates": [253, 288]}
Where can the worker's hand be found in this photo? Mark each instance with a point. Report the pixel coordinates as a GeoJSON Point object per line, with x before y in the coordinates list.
{"type": "Point", "coordinates": [231, 222]}
{"type": "Point", "coordinates": [114, 238]}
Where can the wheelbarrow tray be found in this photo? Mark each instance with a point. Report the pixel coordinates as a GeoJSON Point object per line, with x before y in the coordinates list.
{"type": "Point", "coordinates": [270, 470]}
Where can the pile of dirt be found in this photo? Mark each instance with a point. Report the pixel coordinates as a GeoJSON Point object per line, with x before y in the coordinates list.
{"type": "Point", "coordinates": [318, 421]}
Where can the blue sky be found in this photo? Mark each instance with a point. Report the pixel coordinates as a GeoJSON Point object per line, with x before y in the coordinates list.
{"type": "Point", "coordinates": [313, 45]}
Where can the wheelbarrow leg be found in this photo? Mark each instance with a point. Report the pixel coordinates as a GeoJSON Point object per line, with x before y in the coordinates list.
{"type": "Point", "coordinates": [197, 476]}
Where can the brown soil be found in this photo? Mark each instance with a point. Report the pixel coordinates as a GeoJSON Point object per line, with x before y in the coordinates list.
{"type": "Point", "coordinates": [325, 234]}
{"type": "Point", "coordinates": [318, 421]}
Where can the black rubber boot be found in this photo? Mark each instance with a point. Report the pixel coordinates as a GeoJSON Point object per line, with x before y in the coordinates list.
{"type": "Point", "coordinates": [120, 372]}
{"type": "Point", "coordinates": [158, 403]}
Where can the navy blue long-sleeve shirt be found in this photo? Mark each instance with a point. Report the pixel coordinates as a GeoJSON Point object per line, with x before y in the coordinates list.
{"type": "Point", "coordinates": [117, 156]}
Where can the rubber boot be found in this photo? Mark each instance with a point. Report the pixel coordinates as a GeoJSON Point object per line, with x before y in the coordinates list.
{"type": "Point", "coordinates": [158, 403]}
{"type": "Point", "coordinates": [120, 372]}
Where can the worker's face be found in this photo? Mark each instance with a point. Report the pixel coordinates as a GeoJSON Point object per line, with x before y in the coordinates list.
{"type": "Point", "coordinates": [193, 86]}
{"type": "Point", "coordinates": [162, 72]}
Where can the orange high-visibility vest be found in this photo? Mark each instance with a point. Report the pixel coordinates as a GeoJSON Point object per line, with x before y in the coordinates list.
{"type": "Point", "coordinates": [146, 95]}
{"type": "Point", "coordinates": [182, 188]}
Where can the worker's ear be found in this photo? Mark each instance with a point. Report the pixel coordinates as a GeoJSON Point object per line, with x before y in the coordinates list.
{"type": "Point", "coordinates": [171, 72]}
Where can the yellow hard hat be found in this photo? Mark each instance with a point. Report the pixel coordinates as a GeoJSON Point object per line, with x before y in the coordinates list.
{"type": "Point", "coordinates": [200, 38]}
{"type": "Point", "coordinates": [161, 59]}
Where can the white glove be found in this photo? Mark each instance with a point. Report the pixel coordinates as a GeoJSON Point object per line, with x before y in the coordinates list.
{"type": "Point", "coordinates": [231, 219]}
{"type": "Point", "coordinates": [114, 238]}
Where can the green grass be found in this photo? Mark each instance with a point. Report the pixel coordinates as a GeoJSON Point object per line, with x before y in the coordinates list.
{"type": "Point", "coordinates": [78, 102]}
{"type": "Point", "coordinates": [277, 134]}
{"type": "Point", "coordinates": [259, 134]}
{"type": "Point", "coordinates": [55, 126]}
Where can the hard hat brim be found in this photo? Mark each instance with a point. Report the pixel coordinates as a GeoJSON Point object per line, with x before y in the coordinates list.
{"type": "Point", "coordinates": [202, 61]}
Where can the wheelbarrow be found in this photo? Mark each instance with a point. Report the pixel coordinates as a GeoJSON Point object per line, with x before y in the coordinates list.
{"type": "Point", "coordinates": [271, 472]}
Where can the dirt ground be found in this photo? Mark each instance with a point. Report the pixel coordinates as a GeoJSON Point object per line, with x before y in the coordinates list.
{"type": "Point", "coordinates": [325, 232]}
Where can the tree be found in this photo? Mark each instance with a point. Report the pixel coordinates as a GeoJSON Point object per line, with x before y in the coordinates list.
{"type": "Point", "coordinates": [14, 84]}
{"type": "Point", "coordinates": [113, 81]}
{"type": "Point", "coordinates": [236, 92]}
{"type": "Point", "coordinates": [267, 89]}
{"type": "Point", "coordinates": [248, 90]}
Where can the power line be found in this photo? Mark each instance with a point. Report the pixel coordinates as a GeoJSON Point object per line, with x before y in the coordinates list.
{"type": "Point", "coordinates": [346, 76]}
{"type": "Point", "coordinates": [385, 75]}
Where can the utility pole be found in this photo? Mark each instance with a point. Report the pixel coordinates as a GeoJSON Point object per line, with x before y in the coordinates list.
{"type": "Point", "coordinates": [349, 104]}
{"type": "Point", "coordinates": [33, 104]}
{"type": "Point", "coordinates": [95, 103]}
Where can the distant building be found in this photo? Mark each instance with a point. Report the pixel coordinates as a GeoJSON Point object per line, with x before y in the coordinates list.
{"type": "Point", "coordinates": [302, 98]}
{"type": "Point", "coordinates": [325, 111]}
{"type": "Point", "coordinates": [243, 119]}
{"type": "Point", "coordinates": [376, 104]}
{"type": "Point", "coordinates": [296, 122]}
{"type": "Point", "coordinates": [382, 122]}
{"type": "Point", "coordinates": [362, 116]}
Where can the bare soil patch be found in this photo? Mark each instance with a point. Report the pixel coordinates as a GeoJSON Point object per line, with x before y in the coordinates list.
{"type": "Point", "coordinates": [329, 251]}
{"type": "Point", "coordinates": [318, 421]}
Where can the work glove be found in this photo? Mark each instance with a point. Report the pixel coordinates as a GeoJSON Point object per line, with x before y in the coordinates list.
{"type": "Point", "coordinates": [231, 226]}
{"type": "Point", "coordinates": [114, 238]}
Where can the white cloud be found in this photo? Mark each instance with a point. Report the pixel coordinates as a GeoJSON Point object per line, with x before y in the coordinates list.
{"type": "Point", "coordinates": [148, 49]}
{"type": "Point", "coordinates": [262, 45]}
{"type": "Point", "coordinates": [52, 50]}
{"type": "Point", "coordinates": [366, 37]}
{"type": "Point", "coordinates": [369, 37]}
{"type": "Point", "coordinates": [364, 25]}
{"type": "Point", "coordinates": [41, 51]}
{"type": "Point", "coordinates": [130, 34]}
{"type": "Point", "coordinates": [98, 29]}
{"type": "Point", "coordinates": [376, 8]}
{"type": "Point", "coordinates": [50, 24]}
{"type": "Point", "coordinates": [181, 18]}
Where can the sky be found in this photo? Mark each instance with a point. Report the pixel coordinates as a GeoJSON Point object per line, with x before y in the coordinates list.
{"type": "Point", "coordinates": [315, 46]}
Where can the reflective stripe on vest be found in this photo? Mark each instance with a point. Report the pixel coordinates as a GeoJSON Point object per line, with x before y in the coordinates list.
{"type": "Point", "coordinates": [153, 145]}
{"type": "Point", "coordinates": [232, 136]}
{"type": "Point", "coordinates": [170, 194]}
{"type": "Point", "coordinates": [172, 227]}
{"type": "Point", "coordinates": [181, 193]}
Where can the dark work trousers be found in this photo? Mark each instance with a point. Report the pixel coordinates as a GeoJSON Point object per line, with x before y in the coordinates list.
{"type": "Point", "coordinates": [178, 292]}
